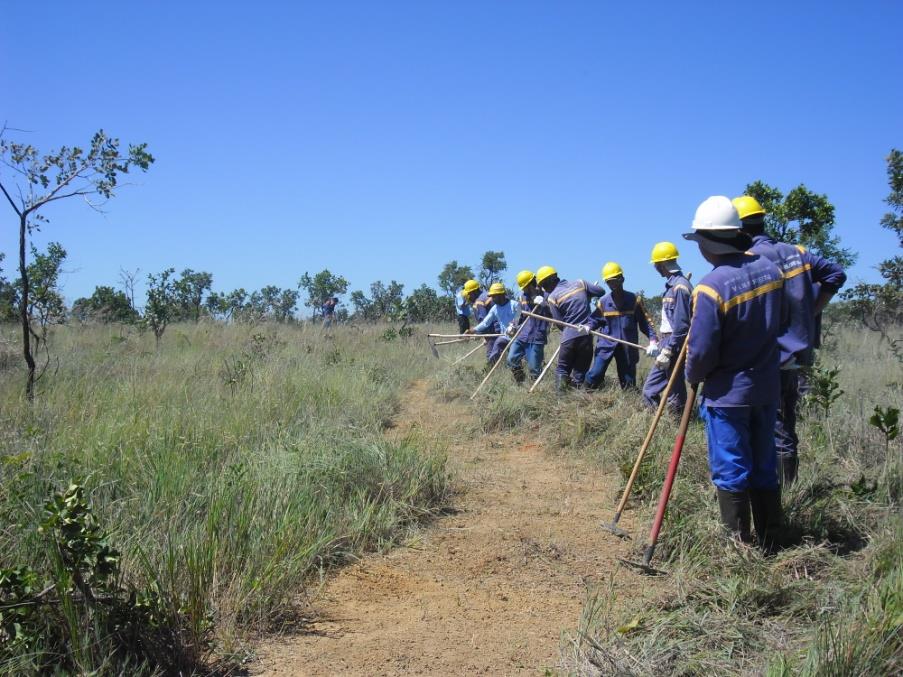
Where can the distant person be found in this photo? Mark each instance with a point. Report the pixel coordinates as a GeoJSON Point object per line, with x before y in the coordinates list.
{"type": "Point", "coordinates": [530, 343]}
{"type": "Point", "coordinates": [481, 308]}
{"type": "Point", "coordinates": [569, 302]}
{"type": "Point", "coordinates": [809, 283]}
{"type": "Point", "coordinates": [620, 314]}
{"type": "Point", "coordinates": [733, 352]}
{"type": "Point", "coordinates": [503, 314]}
{"type": "Point", "coordinates": [328, 310]}
{"type": "Point", "coordinates": [464, 299]}
{"type": "Point", "coordinates": [675, 323]}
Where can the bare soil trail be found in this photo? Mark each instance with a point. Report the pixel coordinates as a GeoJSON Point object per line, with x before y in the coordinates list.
{"type": "Point", "coordinates": [487, 589]}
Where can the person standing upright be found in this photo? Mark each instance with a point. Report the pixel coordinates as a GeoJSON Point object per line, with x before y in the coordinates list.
{"type": "Point", "coordinates": [732, 349]}
{"type": "Point", "coordinates": [804, 273]}
{"type": "Point", "coordinates": [673, 330]}
{"type": "Point", "coordinates": [464, 299]}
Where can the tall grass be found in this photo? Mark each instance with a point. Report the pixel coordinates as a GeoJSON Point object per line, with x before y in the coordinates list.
{"type": "Point", "coordinates": [830, 604]}
{"type": "Point", "coordinates": [231, 467]}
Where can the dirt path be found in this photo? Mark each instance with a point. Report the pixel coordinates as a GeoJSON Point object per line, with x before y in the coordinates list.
{"type": "Point", "coordinates": [486, 590]}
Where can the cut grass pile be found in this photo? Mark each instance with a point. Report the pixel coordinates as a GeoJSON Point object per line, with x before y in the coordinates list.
{"type": "Point", "coordinates": [830, 604]}
{"type": "Point", "coordinates": [230, 469]}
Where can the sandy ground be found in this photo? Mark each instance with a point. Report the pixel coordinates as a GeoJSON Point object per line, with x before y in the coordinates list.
{"type": "Point", "coordinates": [488, 589]}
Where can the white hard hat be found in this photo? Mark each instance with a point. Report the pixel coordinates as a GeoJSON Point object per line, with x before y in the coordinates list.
{"type": "Point", "coordinates": [717, 213]}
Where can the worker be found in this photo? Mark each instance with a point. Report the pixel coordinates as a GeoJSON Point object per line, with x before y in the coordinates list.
{"type": "Point", "coordinates": [569, 302]}
{"type": "Point", "coordinates": [481, 308]}
{"type": "Point", "coordinates": [809, 283]}
{"type": "Point", "coordinates": [328, 309]}
{"type": "Point", "coordinates": [733, 351]}
{"type": "Point", "coordinates": [464, 299]}
{"type": "Point", "coordinates": [673, 330]}
{"type": "Point", "coordinates": [503, 314]}
{"type": "Point", "coordinates": [620, 314]}
{"type": "Point", "coordinates": [530, 343]}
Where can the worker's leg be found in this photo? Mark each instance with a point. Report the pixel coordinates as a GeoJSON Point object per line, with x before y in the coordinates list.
{"type": "Point", "coordinates": [566, 357]}
{"type": "Point", "coordinates": [765, 490]}
{"type": "Point", "coordinates": [785, 436]}
{"type": "Point", "coordinates": [463, 323]}
{"type": "Point", "coordinates": [596, 375]}
{"type": "Point", "coordinates": [582, 360]}
{"type": "Point", "coordinates": [626, 367]}
{"type": "Point", "coordinates": [535, 355]}
{"type": "Point", "coordinates": [730, 460]}
{"type": "Point", "coordinates": [655, 383]}
{"type": "Point", "coordinates": [515, 359]}
{"type": "Point", "coordinates": [496, 347]}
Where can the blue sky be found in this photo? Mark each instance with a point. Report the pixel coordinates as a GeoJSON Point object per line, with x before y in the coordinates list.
{"type": "Point", "coordinates": [383, 139]}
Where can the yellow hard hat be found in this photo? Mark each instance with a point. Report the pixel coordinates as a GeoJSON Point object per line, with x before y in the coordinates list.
{"type": "Point", "coordinates": [747, 206]}
{"type": "Point", "coordinates": [471, 286]}
{"type": "Point", "coordinates": [545, 272]}
{"type": "Point", "coordinates": [497, 288]}
{"type": "Point", "coordinates": [524, 278]}
{"type": "Point", "coordinates": [610, 270]}
{"type": "Point", "coordinates": [664, 251]}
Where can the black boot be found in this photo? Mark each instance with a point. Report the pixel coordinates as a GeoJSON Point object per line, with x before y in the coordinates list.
{"type": "Point", "coordinates": [768, 518]}
{"type": "Point", "coordinates": [734, 506]}
{"type": "Point", "coordinates": [787, 468]}
{"type": "Point", "coordinates": [518, 374]}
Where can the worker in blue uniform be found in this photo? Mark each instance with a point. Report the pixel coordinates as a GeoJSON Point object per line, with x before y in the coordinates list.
{"type": "Point", "coordinates": [673, 330]}
{"type": "Point", "coordinates": [530, 343]}
{"type": "Point", "coordinates": [501, 319]}
{"type": "Point", "coordinates": [809, 283]}
{"type": "Point", "coordinates": [464, 300]}
{"type": "Point", "coordinates": [481, 308]}
{"type": "Point", "coordinates": [620, 314]}
{"type": "Point", "coordinates": [738, 315]}
{"type": "Point", "coordinates": [570, 302]}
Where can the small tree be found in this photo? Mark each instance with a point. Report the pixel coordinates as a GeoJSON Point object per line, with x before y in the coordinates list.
{"type": "Point", "coordinates": [37, 180]}
{"type": "Point", "coordinates": [801, 217]}
{"type": "Point", "coordinates": [189, 292]}
{"type": "Point", "coordinates": [880, 306]}
{"type": "Point", "coordinates": [105, 305]}
{"type": "Point", "coordinates": [492, 265]}
{"type": "Point", "coordinates": [425, 305]}
{"type": "Point", "coordinates": [7, 297]}
{"type": "Point", "coordinates": [160, 306]}
{"type": "Point", "coordinates": [45, 305]}
{"type": "Point", "coordinates": [453, 277]}
{"type": "Point", "coordinates": [324, 285]}
{"type": "Point", "coordinates": [129, 279]}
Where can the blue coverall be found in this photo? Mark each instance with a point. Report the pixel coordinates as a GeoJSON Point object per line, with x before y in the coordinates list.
{"type": "Point", "coordinates": [569, 302]}
{"type": "Point", "coordinates": [620, 316]}
{"type": "Point", "coordinates": [676, 320]}
{"type": "Point", "coordinates": [480, 310]}
{"type": "Point", "coordinates": [804, 274]}
{"type": "Point", "coordinates": [463, 311]}
{"type": "Point", "coordinates": [500, 317]}
{"type": "Point", "coordinates": [733, 351]}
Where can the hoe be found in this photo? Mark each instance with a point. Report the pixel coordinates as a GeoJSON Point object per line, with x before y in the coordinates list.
{"type": "Point", "coordinates": [645, 566]}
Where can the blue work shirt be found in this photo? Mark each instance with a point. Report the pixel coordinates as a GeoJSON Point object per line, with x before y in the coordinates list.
{"type": "Point", "coordinates": [622, 319]}
{"type": "Point", "coordinates": [498, 318]}
{"type": "Point", "coordinates": [462, 305]}
{"type": "Point", "coordinates": [802, 271]}
{"type": "Point", "coordinates": [676, 307]}
{"type": "Point", "coordinates": [733, 340]}
{"type": "Point", "coordinates": [481, 306]}
{"type": "Point", "coordinates": [569, 302]}
{"type": "Point", "coordinates": [535, 331]}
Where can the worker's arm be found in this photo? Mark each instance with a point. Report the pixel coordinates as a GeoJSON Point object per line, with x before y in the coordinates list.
{"type": "Point", "coordinates": [594, 290]}
{"type": "Point", "coordinates": [643, 322]}
{"type": "Point", "coordinates": [704, 340]}
{"type": "Point", "coordinates": [680, 319]}
{"type": "Point", "coordinates": [830, 277]}
{"type": "Point", "coordinates": [487, 323]}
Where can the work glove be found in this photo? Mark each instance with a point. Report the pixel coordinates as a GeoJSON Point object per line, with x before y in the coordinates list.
{"type": "Point", "coordinates": [511, 330]}
{"type": "Point", "coordinates": [584, 329]}
{"type": "Point", "coordinates": [652, 349]}
{"type": "Point", "coordinates": [664, 358]}
{"type": "Point", "coordinates": [538, 301]}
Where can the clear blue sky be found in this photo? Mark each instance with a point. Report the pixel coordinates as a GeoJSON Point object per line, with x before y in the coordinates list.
{"type": "Point", "coordinates": [383, 139]}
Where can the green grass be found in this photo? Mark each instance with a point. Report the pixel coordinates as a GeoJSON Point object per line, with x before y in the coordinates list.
{"type": "Point", "coordinates": [829, 605]}
{"type": "Point", "coordinates": [231, 468]}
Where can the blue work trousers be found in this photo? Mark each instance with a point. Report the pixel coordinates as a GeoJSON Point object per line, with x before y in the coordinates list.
{"type": "Point", "coordinates": [656, 382]}
{"type": "Point", "coordinates": [495, 347]}
{"type": "Point", "coordinates": [532, 352]}
{"type": "Point", "coordinates": [626, 369]}
{"type": "Point", "coordinates": [574, 360]}
{"type": "Point", "coordinates": [785, 437]}
{"type": "Point", "coordinates": [741, 447]}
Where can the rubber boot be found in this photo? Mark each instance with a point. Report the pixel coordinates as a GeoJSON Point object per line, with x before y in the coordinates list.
{"type": "Point", "coordinates": [768, 518]}
{"type": "Point", "coordinates": [735, 514]}
{"type": "Point", "coordinates": [518, 374]}
{"type": "Point", "coordinates": [787, 467]}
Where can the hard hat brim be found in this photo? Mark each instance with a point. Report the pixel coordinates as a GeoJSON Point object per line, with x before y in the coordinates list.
{"type": "Point", "coordinates": [720, 245]}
